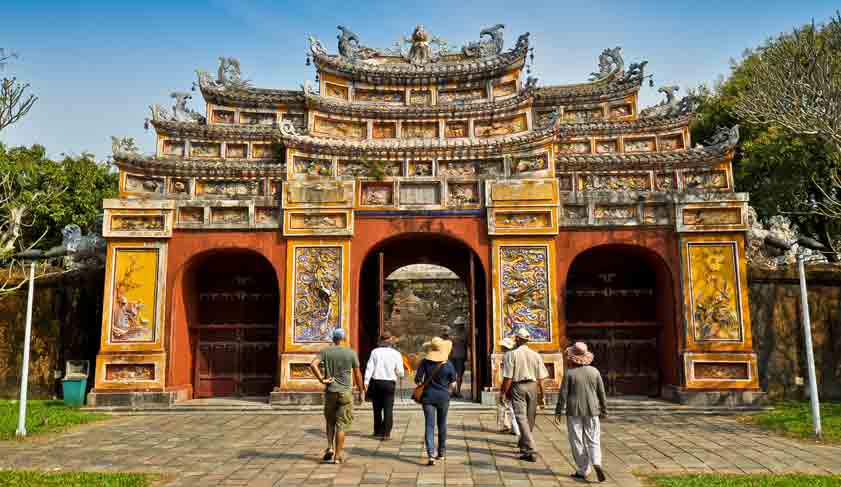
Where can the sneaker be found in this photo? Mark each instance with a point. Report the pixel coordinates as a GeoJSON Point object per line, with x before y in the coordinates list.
{"type": "Point", "coordinates": [431, 461]}
{"type": "Point", "coordinates": [599, 473]}
{"type": "Point", "coordinates": [328, 455]}
{"type": "Point", "coordinates": [441, 456]}
{"type": "Point", "coordinates": [578, 476]}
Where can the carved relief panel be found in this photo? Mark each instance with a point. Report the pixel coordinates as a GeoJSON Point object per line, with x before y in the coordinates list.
{"type": "Point", "coordinates": [174, 148]}
{"type": "Point", "coordinates": [639, 145]}
{"type": "Point", "coordinates": [617, 214]}
{"type": "Point", "coordinates": [335, 91]}
{"type": "Point", "coordinates": [460, 95]}
{"type": "Point", "coordinates": [455, 129]}
{"type": "Point", "coordinates": [419, 193]}
{"type": "Point", "coordinates": [621, 110]}
{"type": "Point", "coordinates": [721, 370]}
{"type": "Point", "coordinates": [420, 168]}
{"type": "Point", "coordinates": [380, 96]}
{"type": "Point", "coordinates": [320, 194]}
{"type": "Point", "coordinates": [715, 295]}
{"type": "Point", "coordinates": [235, 216]}
{"type": "Point", "coordinates": [607, 146]}
{"type": "Point", "coordinates": [615, 182]}
{"type": "Point", "coordinates": [318, 222]}
{"type": "Point", "coordinates": [420, 97]}
{"type": "Point", "coordinates": [257, 118]}
{"type": "Point", "coordinates": [523, 290]}
{"type": "Point", "coordinates": [262, 151]}
{"type": "Point", "coordinates": [574, 147]}
{"type": "Point", "coordinates": [236, 151]}
{"type": "Point", "coordinates": [143, 184]}
{"type": "Point", "coordinates": [308, 166]}
{"type": "Point", "coordinates": [522, 221]}
{"type": "Point", "coordinates": [206, 149]}
{"type": "Point", "coordinates": [233, 188]}
{"type": "Point", "coordinates": [670, 142]}
{"type": "Point", "coordinates": [376, 194]}
{"type": "Point", "coordinates": [583, 114]}
{"type": "Point", "coordinates": [528, 164]}
{"type": "Point", "coordinates": [507, 88]}
{"type": "Point", "coordinates": [318, 300]}
{"type": "Point", "coordinates": [706, 180]}
{"type": "Point", "coordinates": [384, 130]}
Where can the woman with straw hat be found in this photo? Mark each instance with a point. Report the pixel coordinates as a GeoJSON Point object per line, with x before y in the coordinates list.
{"type": "Point", "coordinates": [436, 374]}
{"type": "Point", "coordinates": [582, 396]}
{"type": "Point", "coordinates": [505, 411]}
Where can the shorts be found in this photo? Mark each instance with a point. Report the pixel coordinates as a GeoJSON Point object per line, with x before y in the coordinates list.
{"type": "Point", "coordinates": [338, 409]}
{"type": "Point", "coordinates": [458, 364]}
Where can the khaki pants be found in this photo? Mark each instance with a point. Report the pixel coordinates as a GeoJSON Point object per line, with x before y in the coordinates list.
{"type": "Point", "coordinates": [524, 401]}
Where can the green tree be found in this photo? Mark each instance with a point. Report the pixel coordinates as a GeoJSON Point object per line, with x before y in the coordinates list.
{"type": "Point", "coordinates": [785, 171]}
{"type": "Point", "coordinates": [39, 196]}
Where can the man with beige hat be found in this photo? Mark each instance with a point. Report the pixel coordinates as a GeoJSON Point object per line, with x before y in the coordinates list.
{"type": "Point", "coordinates": [523, 373]}
{"type": "Point", "coordinates": [582, 396]}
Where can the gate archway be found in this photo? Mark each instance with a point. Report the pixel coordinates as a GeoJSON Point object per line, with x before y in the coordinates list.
{"type": "Point", "coordinates": [439, 250]}
{"type": "Point", "coordinates": [233, 304]}
{"type": "Point", "coordinates": [619, 300]}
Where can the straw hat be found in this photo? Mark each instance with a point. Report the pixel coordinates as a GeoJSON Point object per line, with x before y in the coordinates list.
{"type": "Point", "coordinates": [523, 334]}
{"type": "Point", "coordinates": [578, 354]}
{"type": "Point", "coordinates": [437, 350]}
{"type": "Point", "coordinates": [507, 343]}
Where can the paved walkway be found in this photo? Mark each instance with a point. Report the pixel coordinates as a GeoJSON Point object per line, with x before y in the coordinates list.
{"type": "Point", "coordinates": [209, 449]}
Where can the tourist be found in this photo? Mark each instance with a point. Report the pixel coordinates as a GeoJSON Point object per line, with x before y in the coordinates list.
{"type": "Point", "coordinates": [458, 355]}
{"type": "Point", "coordinates": [341, 367]}
{"type": "Point", "coordinates": [385, 366]}
{"type": "Point", "coordinates": [582, 396]}
{"type": "Point", "coordinates": [505, 412]}
{"type": "Point", "coordinates": [437, 373]}
{"type": "Point", "coordinates": [523, 373]}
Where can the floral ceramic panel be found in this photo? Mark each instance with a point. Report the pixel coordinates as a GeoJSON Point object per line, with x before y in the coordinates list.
{"type": "Point", "coordinates": [524, 289]}
{"type": "Point", "coordinates": [134, 298]}
{"type": "Point", "coordinates": [318, 293]}
{"type": "Point", "coordinates": [715, 292]}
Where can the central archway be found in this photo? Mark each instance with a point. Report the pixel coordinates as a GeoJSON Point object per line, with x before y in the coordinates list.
{"type": "Point", "coordinates": [438, 250]}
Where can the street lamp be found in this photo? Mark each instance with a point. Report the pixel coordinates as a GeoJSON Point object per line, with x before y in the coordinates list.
{"type": "Point", "coordinates": [812, 244]}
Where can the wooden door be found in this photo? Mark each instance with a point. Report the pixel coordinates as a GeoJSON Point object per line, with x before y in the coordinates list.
{"type": "Point", "coordinates": [235, 360]}
{"type": "Point", "coordinates": [472, 332]}
{"type": "Point", "coordinates": [626, 356]}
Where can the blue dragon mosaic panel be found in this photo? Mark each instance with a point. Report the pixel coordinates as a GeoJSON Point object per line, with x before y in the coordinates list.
{"type": "Point", "coordinates": [318, 293]}
{"type": "Point", "coordinates": [525, 291]}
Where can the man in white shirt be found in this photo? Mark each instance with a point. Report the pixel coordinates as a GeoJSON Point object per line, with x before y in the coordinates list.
{"type": "Point", "coordinates": [384, 366]}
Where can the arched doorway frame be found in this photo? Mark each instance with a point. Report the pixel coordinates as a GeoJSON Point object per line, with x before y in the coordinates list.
{"type": "Point", "coordinates": [474, 244]}
{"type": "Point", "coordinates": [187, 251]}
{"type": "Point", "coordinates": [667, 278]}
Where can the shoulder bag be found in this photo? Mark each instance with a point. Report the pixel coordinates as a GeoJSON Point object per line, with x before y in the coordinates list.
{"type": "Point", "coordinates": [417, 395]}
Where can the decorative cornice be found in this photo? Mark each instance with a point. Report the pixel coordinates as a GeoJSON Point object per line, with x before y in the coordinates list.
{"type": "Point", "coordinates": [460, 68]}
{"type": "Point", "coordinates": [201, 168]}
{"type": "Point", "coordinates": [396, 111]}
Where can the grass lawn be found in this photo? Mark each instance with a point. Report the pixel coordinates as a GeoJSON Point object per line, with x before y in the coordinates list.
{"type": "Point", "coordinates": [795, 419]}
{"type": "Point", "coordinates": [43, 417]}
{"type": "Point", "coordinates": [743, 481]}
{"type": "Point", "coordinates": [20, 478]}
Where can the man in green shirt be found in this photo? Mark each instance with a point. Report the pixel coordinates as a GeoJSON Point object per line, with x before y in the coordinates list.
{"type": "Point", "coordinates": [340, 365]}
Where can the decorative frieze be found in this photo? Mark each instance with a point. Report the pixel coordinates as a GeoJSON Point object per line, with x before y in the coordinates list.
{"type": "Point", "coordinates": [318, 222]}
{"type": "Point", "coordinates": [706, 180]}
{"type": "Point", "coordinates": [615, 182]}
{"type": "Point", "coordinates": [376, 194]}
{"type": "Point", "coordinates": [228, 188]}
{"type": "Point", "coordinates": [460, 95]}
{"type": "Point", "coordinates": [130, 372]}
{"type": "Point", "coordinates": [137, 222]}
{"type": "Point", "coordinates": [229, 216]}
{"type": "Point", "coordinates": [574, 147]}
{"type": "Point", "coordinates": [419, 130]}
{"type": "Point", "coordinates": [583, 114]}
{"type": "Point", "coordinates": [419, 193]}
{"type": "Point", "coordinates": [505, 126]}
{"type": "Point", "coordinates": [384, 130]}
{"type": "Point", "coordinates": [143, 184]}
{"type": "Point", "coordinates": [665, 182]}
{"type": "Point", "coordinates": [712, 216]}
{"type": "Point", "coordinates": [720, 370]}
{"type": "Point", "coordinates": [456, 129]}
{"type": "Point", "coordinates": [463, 194]}
{"type": "Point", "coordinates": [620, 214]}
{"type": "Point", "coordinates": [420, 168]}
{"type": "Point", "coordinates": [458, 168]}
{"type": "Point", "coordinates": [379, 96]}
{"type": "Point", "coordinates": [339, 128]}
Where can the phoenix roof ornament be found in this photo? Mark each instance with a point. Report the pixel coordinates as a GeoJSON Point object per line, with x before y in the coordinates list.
{"type": "Point", "coordinates": [486, 47]}
{"type": "Point", "coordinates": [610, 61]}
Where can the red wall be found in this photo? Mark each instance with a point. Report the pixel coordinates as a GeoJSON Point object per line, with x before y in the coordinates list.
{"type": "Point", "coordinates": [188, 249]}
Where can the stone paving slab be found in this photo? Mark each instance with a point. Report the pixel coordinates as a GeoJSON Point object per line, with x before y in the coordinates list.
{"type": "Point", "coordinates": [265, 450]}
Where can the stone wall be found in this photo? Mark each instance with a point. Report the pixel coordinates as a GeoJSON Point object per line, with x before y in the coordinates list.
{"type": "Point", "coordinates": [66, 323]}
{"type": "Point", "coordinates": [422, 305]}
{"type": "Point", "coordinates": [778, 333]}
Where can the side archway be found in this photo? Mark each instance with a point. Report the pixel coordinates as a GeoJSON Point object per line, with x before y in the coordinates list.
{"type": "Point", "coordinates": [619, 299]}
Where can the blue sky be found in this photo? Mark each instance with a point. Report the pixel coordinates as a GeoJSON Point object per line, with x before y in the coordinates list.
{"type": "Point", "coordinates": [97, 65]}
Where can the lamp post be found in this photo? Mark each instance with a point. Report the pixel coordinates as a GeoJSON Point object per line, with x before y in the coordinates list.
{"type": "Point", "coordinates": [24, 374]}
{"type": "Point", "coordinates": [812, 244]}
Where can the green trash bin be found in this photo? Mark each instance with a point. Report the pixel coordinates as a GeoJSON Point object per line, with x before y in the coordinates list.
{"type": "Point", "coordinates": [73, 389]}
